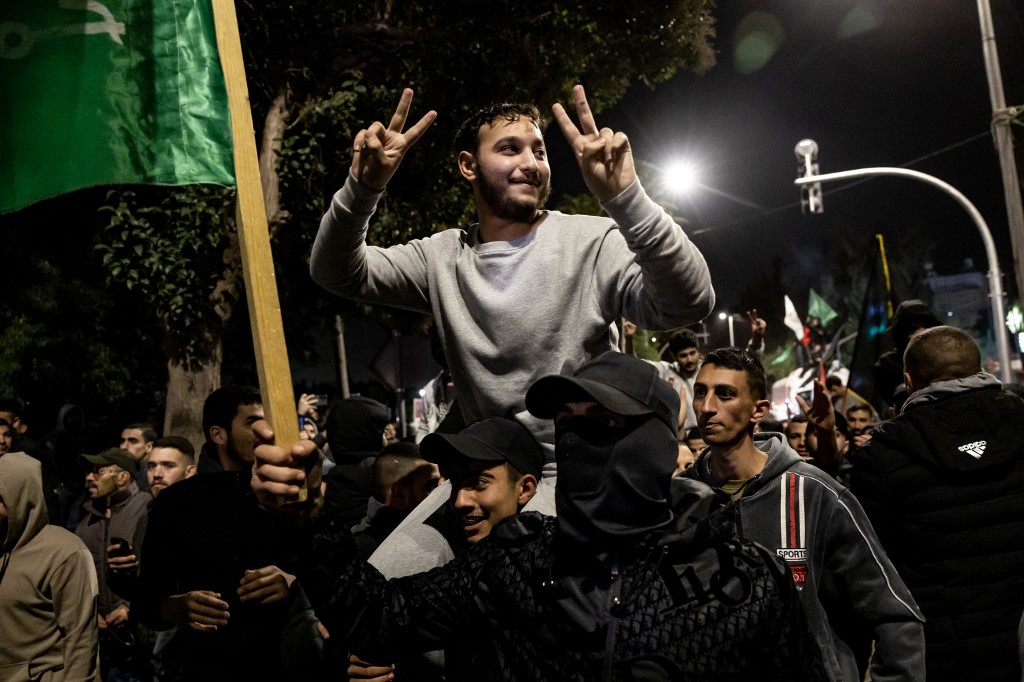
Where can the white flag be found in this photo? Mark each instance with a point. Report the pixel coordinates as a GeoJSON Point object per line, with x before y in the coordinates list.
{"type": "Point", "coordinates": [792, 320]}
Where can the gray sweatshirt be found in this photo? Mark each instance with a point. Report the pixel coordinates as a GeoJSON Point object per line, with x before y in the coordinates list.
{"type": "Point", "coordinates": [509, 313]}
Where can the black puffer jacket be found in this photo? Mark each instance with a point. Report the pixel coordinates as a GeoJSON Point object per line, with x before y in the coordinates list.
{"type": "Point", "coordinates": [943, 485]}
{"type": "Point", "coordinates": [691, 602]}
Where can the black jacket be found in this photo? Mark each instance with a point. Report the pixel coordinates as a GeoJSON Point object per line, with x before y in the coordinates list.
{"type": "Point", "coordinates": [943, 485]}
{"type": "Point", "coordinates": [692, 602]}
{"type": "Point", "coordinates": [203, 534]}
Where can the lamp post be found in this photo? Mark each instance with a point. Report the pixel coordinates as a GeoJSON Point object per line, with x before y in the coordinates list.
{"type": "Point", "coordinates": [995, 281]}
{"type": "Point", "coordinates": [1002, 121]}
{"type": "Point", "coordinates": [732, 336]}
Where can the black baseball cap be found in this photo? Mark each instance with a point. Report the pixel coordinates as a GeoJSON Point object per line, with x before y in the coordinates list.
{"type": "Point", "coordinates": [619, 382]}
{"type": "Point", "coordinates": [116, 456]}
{"type": "Point", "coordinates": [495, 439]}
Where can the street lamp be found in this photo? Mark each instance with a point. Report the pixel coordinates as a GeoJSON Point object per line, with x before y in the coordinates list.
{"type": "Point", "coordinates": [810, 195]}
{"type": "Point", "coordinates": [732, 335]}
{"type": "Point", "coordinates": [681, 177]}
{"type": "Point", "coordinates": [995, 278]}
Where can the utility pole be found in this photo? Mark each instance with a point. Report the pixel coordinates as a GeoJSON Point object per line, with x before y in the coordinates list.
{"type": "Point", "coordinates": [1002, 118]}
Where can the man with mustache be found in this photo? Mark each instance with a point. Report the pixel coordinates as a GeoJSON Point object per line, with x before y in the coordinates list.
{"type": "Point", "coordinates": [112, 527]}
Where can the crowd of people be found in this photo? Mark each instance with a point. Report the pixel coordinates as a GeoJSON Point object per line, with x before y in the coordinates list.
{"type": "Point", "coordinates": [567, 512]}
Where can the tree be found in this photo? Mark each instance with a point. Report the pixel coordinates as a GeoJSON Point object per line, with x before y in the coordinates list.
{"type": "Point", "coordinates": [318, 72]}
{"type": "Point", "coordinates": [64, 336]}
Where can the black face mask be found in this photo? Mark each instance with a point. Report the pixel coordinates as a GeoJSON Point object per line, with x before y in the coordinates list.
{"type": "Point", "coordinates": [612, 486]}
{"type": "Point", "coordinates": [595, 432]}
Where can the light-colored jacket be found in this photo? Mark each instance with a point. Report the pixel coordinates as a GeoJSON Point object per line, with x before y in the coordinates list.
{"type": "Point", "coordinates": [48, 628]}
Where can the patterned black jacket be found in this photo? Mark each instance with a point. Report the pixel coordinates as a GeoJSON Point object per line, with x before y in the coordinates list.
{"type": "Point", "coordinates": [692, 602]}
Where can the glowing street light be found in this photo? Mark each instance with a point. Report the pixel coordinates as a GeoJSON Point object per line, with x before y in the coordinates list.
{"type": "Point", "coordinates": [681, 177]}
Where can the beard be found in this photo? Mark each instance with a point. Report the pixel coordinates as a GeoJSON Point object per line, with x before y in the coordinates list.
{"type": "Point", "coordinates": [235, 454]}
{"type": "Point", "coordinates": [504, 205]}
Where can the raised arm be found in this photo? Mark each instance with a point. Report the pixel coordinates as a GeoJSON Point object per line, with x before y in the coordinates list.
{"type": "Point", "coordinates": [659, 280]}
{"type": "Point", "coordinates": [604, 156]}
{"type": "Point", "coordinates": [341, 262]}
{"type": "Point", "coordinates": [377, 151]}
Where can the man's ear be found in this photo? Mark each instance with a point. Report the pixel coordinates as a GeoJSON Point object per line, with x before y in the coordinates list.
{"type": "Point", "coordinates": [467, 165]}
{"type": "Point", "coordinates": [219, 435]}
{"type": "Point", "coordinates": [762, 408]}
{"type": "Point", "coordinates": [398, 496]}
{"type": "Point", "coordinates": [527, 489]}
{"type": "Point", "coordinates": [190, 471]}
{"type": "Point", "coordinates": [909, 382]}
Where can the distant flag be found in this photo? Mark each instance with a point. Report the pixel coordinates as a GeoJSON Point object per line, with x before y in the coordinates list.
{"type": "Point", "coordinates": [873, 338]}
{"type": "Point", "coordinates": [100, 92]}
{"type": "Point", "coordinates": [783, 356]}
{"type": "Point", "coordinates": [819, 308]}
{"type": "Point", "coordinates": [792, 320]}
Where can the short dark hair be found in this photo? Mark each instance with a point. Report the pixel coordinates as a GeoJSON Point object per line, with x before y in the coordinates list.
{"type": "Point", "coordinates": [222, 405]}
{"type": "Point", "coordinates": [798, 419]}
{"type": "Point", "coordinates": [941, 354]}
{"type": "Point", "coordinates": [178, 443]}
{"type": "Point", "coordinates": [861, 407]}
{"type": "Point", "coordinates": [13, 405]}
{"type": "Point", "coordinates": [148, 432]}
{"type": "Point", "coordinates": [832, 381]}
{"type": "Point", "coordinates": [468, 137]}
{"type": "Point", "coordinates": [394, 462]}
{"type": "Point", "coordinates": [681, 339]}
{"type": "Point", "coordinates": [741, 361]}
{"type": "Point", "coordinates": [4, 422]}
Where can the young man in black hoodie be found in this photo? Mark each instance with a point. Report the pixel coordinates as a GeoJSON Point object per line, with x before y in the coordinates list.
{"type": "Point", "coordinates": [630, 581]}
{"type": "Point", "coordinates": [215, 566]}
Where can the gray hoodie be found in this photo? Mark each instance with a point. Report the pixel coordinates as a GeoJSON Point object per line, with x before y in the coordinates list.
{"type": "Point", "coordinates": [849, 589]}
{"type": "Point", "coordinates": [47, 587]}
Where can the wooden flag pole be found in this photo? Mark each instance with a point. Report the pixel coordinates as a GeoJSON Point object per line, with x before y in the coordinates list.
{"type": "Point", "coordinates": [254, 238]}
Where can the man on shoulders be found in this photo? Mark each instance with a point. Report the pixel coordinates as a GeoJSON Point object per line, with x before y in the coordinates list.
{"type": "Point", "coordinates": [943, 484]}
{"type": "Point", "coordinates": [850, 591]}
{"type": "Point", "coordinates": [579, 273]}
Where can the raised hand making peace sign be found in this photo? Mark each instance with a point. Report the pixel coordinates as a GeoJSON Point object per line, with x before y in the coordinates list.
{"type": "Point", "coordinates": [377, 151]}
{"type": "Point", "coordinates": [604, 156]}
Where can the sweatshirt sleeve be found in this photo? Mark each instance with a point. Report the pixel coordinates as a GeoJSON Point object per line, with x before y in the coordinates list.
{"type": "Point", "coordinates": [342, 263]}
{"type": "Point", "coordinates": [663, 281]}
{"type": "Point", "coordinates": [859, 573]}
{"type": "Point", "coordinates": [74, 601]}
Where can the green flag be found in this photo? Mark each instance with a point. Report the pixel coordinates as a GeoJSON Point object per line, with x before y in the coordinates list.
{"type": "Point", "coordinates": [100, 92]}
{"type": "Point", "coordinates": [817, 307]}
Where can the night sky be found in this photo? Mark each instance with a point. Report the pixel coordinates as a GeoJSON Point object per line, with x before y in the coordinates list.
{"type": "Point", "coordinates": [875, 83]}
